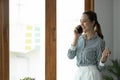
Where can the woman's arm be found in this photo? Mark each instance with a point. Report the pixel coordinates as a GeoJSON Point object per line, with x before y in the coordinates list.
{"type": "Point", "coordinates": [105, 52]}
{"type": "Point", "coordinates": [72, 49]}
{"type": "Point", "coordinates": [100, 50]}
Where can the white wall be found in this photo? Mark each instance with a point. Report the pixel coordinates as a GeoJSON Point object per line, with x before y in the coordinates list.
{"type": "Point", "coordinates": [116, 36]}
{"type": "Point", "coordinates": [108, 15]}
{"type": "Point", "coordinates": [104, 10]}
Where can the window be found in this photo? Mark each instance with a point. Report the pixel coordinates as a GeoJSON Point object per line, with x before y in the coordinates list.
{"type": "Point", "coordinates": [68, 17]}
{"type": "Point", "coordinates": [27, 39]}
{"type": "Point", "coordinates": [50, 43]}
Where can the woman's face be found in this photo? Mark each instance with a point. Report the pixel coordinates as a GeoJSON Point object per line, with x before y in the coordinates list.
{"type": "Point", "coordinates": [86, 24]}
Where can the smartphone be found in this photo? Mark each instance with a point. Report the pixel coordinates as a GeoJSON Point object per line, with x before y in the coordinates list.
{"type": "Point", "coordinates": [79, 29]}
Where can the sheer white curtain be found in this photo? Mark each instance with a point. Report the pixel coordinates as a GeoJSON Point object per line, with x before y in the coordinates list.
{"type": "Point", "coordinates": [68, 16]}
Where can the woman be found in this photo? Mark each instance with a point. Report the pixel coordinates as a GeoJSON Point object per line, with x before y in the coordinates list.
{"type": "Point", "coordinates": [89, 48]}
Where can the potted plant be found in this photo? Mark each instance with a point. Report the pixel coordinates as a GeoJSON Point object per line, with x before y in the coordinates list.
{"type": "Point", "coordinates": [113, 70]}
{"type": "Point", "coordinates": [27, 78]}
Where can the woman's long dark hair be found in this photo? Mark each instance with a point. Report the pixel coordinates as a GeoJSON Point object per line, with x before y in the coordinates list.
{"type": "Point", "coordinates": [93, 17]}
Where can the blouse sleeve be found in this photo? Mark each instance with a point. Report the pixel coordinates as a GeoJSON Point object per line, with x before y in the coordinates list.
{"type": "Point", "coordinates": [71, 52]}
{"type": "Point", "coordinates": [100, 49]}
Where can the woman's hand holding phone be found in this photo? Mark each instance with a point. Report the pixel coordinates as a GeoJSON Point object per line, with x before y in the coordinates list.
{"type": "Point", "coordinates": [78, 31]}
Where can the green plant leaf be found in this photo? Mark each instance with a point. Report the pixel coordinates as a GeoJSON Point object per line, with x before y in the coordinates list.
{"type": "Point", "coordinates": [113, 69]}
{"type": "Point", "coordinates": [107, 78]}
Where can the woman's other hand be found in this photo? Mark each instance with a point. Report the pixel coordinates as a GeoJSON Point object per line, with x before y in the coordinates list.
{"type": "Point", "coordinates": [105, 55]}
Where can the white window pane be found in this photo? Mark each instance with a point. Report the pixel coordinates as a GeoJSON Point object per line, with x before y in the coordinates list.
{"type": "Point", "coordinates": [68, 16]}
{"type": "Point", "coordinates": [27, 39]}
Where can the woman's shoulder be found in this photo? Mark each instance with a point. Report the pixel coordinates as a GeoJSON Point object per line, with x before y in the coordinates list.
{"type": "Point", "coordinates": [100, 39]}
{"type": "Point", "coordinates": [101, 42]}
